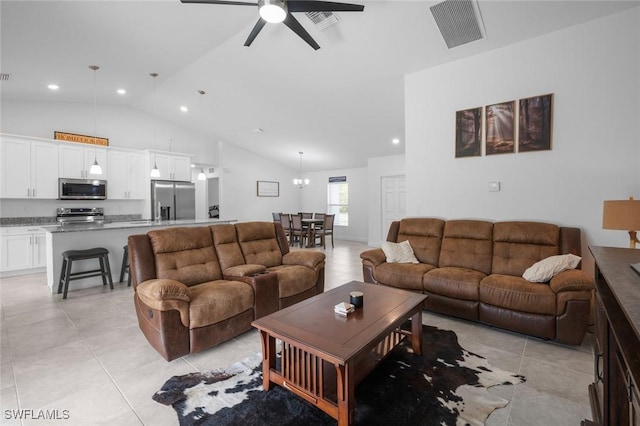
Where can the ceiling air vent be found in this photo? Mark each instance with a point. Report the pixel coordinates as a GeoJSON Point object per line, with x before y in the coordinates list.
{"type": "Point", "coordinates": [459, 21]}
{"type": "Point", "coordinates": [5, 77]}
{"type": "Point", "coordinates": [322, 20]}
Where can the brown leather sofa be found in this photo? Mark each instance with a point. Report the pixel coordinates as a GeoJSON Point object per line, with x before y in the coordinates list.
{"type": "Point", "coordinates": [196, 287]}
{"type": "Point", "coordinates": [473, 269]}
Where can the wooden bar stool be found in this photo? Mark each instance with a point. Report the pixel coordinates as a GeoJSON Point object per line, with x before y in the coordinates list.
{"type": "Point", "coordinates": [69, 256]}
{"type": "Point", "coordinates": [125, 266]}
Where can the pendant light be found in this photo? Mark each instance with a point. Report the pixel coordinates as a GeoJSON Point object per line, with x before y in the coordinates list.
{"type": "Point", "coordinates": [95, 167]}
{"type": "Point", "coordinates": [201, 175]}
{"type": "Point", "coordinates": [155, 172]}
{"type": "Point", "coordinates": [299, 181]}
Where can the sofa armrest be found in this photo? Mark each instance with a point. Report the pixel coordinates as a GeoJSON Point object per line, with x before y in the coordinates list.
{"type": "Point", "coordinates": [244, 270]}
{"type": "Point", "coordinates": [373, 257]}
{"type": "Point", "coordinates": [312, 259]}
{"type": "Point", "coordinates": [571, 280]}
{"type": "Point", "coordinates": [166, 295]}
{"type": "Point", "coordinates": [266, 292]}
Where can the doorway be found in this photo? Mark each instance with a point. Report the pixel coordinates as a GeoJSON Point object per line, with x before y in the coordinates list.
{"type": "Point", "coordinates": [213, 197]}
{"type": "Point", "coordinates": [394, 202]}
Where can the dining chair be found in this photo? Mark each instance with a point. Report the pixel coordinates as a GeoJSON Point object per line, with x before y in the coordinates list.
{"type": "Point", "coordinates": [306, 215]}
{"type": "Point", "coordinates": [285, 220]}
{"type": "Point", "coordinates": [276, 216]}
{"type": "Point", "coordinates": [297, 230]}
{"type": "Point", "coordinates": [327, 229]}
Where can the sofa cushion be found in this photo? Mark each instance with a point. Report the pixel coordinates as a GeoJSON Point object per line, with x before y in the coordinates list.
{"type": "Point", "coordinates": [217, 301]}
{"type": "Point", "coordinates": [403, 275]}
{"type": "Point", "coordinates": [399, 252]}
{"type": "Point", "coordinates": [467, 244]}
{"type": "Point", "coordinates": [185, 254]}
{"type": "Point", "coordinates": [459, 283]}
{"type": "Point", "coordinates": [545, 269]}
{"type": "Point", "coordinates": [517, 294]}
{"type": "Point", "coordinates": [258, 243]}
{"type": "Point", "coordinates": [425, 236]}
{"type": "Point", "coordinates": [518, 245]}
{"type": "Point", "coordinates": [294, 279]}
{"type": "Point", "coordinates": [227, 246]}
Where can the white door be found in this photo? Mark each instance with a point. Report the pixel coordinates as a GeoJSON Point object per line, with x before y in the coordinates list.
{"type": "Point", "coordinates": [394, 201]}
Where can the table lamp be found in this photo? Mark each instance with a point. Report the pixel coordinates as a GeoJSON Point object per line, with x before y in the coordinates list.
{"type": "Point", "coordinates": [623, 215]}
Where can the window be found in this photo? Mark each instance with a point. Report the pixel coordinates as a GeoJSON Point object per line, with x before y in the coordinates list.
{"type": "Point", "coordinates": [338, 202]}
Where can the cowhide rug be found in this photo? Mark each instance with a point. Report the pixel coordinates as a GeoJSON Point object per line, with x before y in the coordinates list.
{"type": "Point", "coordinates": [446, 386]}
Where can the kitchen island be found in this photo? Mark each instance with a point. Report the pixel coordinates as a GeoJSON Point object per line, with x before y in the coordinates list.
{"type": "Point", "coordinates": [110, 235]}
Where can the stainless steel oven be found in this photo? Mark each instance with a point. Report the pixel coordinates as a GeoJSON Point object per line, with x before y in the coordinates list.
{"type": "Point", "coordinates": [82, 189]}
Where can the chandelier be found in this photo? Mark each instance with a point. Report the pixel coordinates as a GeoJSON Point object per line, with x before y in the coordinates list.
{"type": "Point", "coordinates": [300, 181]}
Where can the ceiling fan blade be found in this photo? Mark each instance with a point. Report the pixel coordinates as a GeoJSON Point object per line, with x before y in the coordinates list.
{"type": "Point", "coordinates": [254, 32]}
{"type": "Point", "coordinates": [297, 28]}
{"type": "Point", "coordinates": [322, 6]}
{"type": "Point", "coordinates": [235, 3]}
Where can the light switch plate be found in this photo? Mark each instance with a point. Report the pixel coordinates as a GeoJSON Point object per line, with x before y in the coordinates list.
{"type": "Point", "coordinates": [494, 186]}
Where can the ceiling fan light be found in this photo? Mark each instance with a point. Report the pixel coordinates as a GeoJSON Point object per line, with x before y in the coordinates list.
{"type": "Point", "coordinates": [272, 11]}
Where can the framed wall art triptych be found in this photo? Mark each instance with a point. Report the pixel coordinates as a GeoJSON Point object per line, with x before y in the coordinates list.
{"type": "Point", "coordinates": [502, 133]}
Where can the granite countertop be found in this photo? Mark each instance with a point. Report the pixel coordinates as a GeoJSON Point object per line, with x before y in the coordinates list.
{"type": "Point", "coordinates": [77, 227]}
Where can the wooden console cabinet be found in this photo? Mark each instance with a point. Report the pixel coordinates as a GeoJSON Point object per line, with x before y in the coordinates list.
{"type": "Point", "coordinates": [615, 397]}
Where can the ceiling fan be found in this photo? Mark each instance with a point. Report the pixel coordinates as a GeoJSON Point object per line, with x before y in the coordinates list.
{"type": "Point", "coordinates": [275, 11]}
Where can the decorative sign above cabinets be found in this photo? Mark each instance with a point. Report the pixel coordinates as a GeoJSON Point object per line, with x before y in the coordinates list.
{"type": "Point", "coordinates": [72, 137]}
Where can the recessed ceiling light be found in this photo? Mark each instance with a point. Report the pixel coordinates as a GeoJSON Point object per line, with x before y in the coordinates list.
{"type": "Point", "coordinates": [121, 91]}
{"type": "Point", "coordinates": [53, 86]}
{"type": "Point", "coordinates": [395, 141]}
{"type": "Point", "coordinates": [184, 109]}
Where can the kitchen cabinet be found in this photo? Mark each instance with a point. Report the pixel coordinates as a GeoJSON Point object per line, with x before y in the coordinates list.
{"type": "Point", "coordinates": [127, 175]}
{"type": "Point", "coordinates": [614, 392]}
{"type": "Point", "coordinates": [22, 248]}
{"type": "Point", "coordinates": [29, 168]}
{"type": "Point", "coordinates": [172, 166]}
{"type": "Point", "coordinates": [74, 161]}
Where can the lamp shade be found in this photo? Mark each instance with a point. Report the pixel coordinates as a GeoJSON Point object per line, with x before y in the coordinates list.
{"type": "Point", "coordinates": [621, 214]}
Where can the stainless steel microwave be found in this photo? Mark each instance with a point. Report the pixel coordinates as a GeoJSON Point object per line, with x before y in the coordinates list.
{"type": "Point", "coordinates": [82, 189]}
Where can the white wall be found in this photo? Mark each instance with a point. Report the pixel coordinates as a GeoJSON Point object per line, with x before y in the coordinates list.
{"type": "Point", "coordinates": [379, 167]}
{"type": "Point", "coordinates": [593, 70]}
{"type": "Point", "coordinates": [240, 171]}
{"type": "Point", "coordinates": [314, 199]}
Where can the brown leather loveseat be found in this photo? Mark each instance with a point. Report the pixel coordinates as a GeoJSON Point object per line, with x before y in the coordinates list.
{"type": "Point", "coordinates": [196, 287]}
{"type": "Point", "coordinates": [473, 269]}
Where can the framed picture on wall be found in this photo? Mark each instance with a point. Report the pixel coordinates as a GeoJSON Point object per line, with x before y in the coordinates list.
{"type": "Point", "coordinates": [535, 123]}
{"type": "Point", "coordinates": [500, 128]}
{"type": "Point", "coordinates": [468, 132]}
{"type": "Point", "coordinates": [268, 189]}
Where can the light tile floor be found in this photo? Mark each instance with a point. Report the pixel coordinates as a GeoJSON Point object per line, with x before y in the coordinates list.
{"type": "Point", "coordinates": [87, 356]}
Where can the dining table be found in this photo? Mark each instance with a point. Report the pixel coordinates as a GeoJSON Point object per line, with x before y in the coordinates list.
{"type": "Point", "coordinates": [310, 225]}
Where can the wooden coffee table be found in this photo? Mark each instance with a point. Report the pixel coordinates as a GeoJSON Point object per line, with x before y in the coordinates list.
{"type": "Point", "coordinates": [324, 356]}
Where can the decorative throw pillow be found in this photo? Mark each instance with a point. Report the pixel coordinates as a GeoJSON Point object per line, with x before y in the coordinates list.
{"type": "Point", "coordinates": [545, 269]}
{"type": "Point", "coordinates": [399, 252]}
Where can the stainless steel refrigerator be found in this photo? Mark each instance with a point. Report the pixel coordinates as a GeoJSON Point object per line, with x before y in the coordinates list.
{"type": "Point", "coordinates": [173, 200]}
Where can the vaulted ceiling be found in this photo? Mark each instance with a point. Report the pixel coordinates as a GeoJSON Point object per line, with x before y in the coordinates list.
{"type": "Point", "coordinates": [340, 104]}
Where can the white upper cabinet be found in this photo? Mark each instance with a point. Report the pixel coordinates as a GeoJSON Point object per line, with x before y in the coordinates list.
{"type": "Point", "coordinates": [29, 168]}
{"type": "Point", "coordinates": [74, 161]}
{"type": "Point", "coordinates": [127, 175]}
{"type": "Point", "coordinates": [171, 166]}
